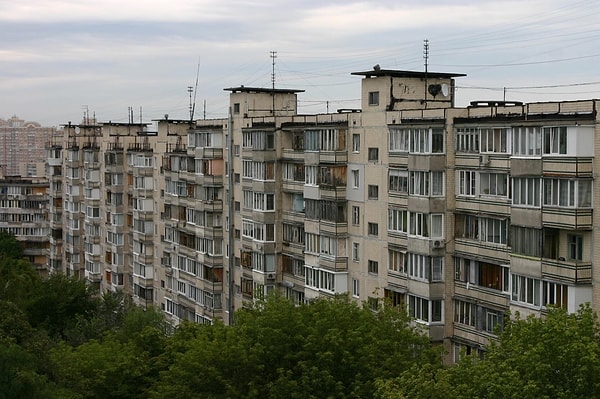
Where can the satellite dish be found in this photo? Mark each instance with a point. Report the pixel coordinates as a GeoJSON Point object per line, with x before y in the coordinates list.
{"type": "Point", "coordinates": [445, 90]}
{"type": "Point", "coordinates": [77, 130]}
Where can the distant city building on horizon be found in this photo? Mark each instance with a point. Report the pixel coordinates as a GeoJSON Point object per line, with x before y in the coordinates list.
{"type": "Point", "coordinates": [22, 147]}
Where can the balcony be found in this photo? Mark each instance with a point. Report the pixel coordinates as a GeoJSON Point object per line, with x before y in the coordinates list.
{"type": "Point", "coordinates": [334, 263]}
{"type": "Point", "coordinates": [567, 218]}
{"type": "Point", "coordinates": [573, 272]}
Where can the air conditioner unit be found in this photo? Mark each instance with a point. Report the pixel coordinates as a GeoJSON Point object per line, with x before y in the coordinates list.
{"type": "Point", "coordinates": [271, 276]}
{"type": "Point", "coordinates": [484, 159]}
{"type": "Point", "coordinates": [436, 244]}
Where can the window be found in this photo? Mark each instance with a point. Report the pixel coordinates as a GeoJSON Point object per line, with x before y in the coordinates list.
{"type": "Point", "coordinates": [373, 303]}
{"type": "Point", "coordinates": [526, 241]}
{"type": "Point", "coordinates": [527, 141]}
{"type": "Point", "coordinates": [555, 294]}
{"type": "Point", "coordinates": [355, 251]}
{"type": "Point", "coordinates": [493, 184]}
{"type": "Point", "coordinates": [568, 193]}
{"type": "Point", "coordinates": [427, 140]}
{"type": "Point", "coordinates": [398, 181]}
{"type": "Point", "coordinates": [426, 225]}
{"type": "Point", "coordinates": [236, 108]}
{"type": "Point", "coordinates": [373, 229]}
{"type": "Point", "coordinates": [396, 259]}
{"type": "Point", "coordinates": [373, 154]}
{"type": "Point", "coordinates": [397, 220]}
{"type": "Point", "coordinates": [426, 183]}
{"type": "Point", "coordinates": [575, 247]}
{"type": "Point", "coordinates": [398, 139]}
{"type": "Point", "coordinates": [293, 233]}
{"type": "Point", "coordinates": [464, 312]}
{"type": "Point", "coordinates": [467, 140]}
{"type": "Point", "coordinates": [373, 267]}
{"type": "Point", "coordinates": [320, 279]}
{"type": "Point", "coordinates": [333, 211]}
{"type": "Point", "coordinates": [494, 140]}
{"type": "Point", "coordinates": [355, 288]}
{"type": "Point", "coordinates": [493, 230]}
{"type": "Point", "coordinates": [482, 318]}
{"type": "Point", "coordinates": [373, 191]}
{"type": "Point", "coordinates": [526, 191]}
{"type": "Point", "coordinates": [325, 140]}
{"type": "Point", "coordinates": [310, 175]}
{"type": "Point", "coordinates": [555, 140]}
{"type": "Point", "coordinates": [355, 178]}
{"type": "Point", "coordinates": [425, 310]}
{"type": "Point", "coordinates": [466, 182]}
{"type": "Point", "coordinates": [481, 228]}
{"type": "Point", "coordinates": [355, 215]}
{"type": "Point", "coordinates": [331, 246]}
{"type": "Point", "coordinates": [526, 290]}
{"type": "Point", "coordinates": [423, 267]}
{"type": "Point", "coordinates": [356, 143]}
{"type": "Point", "coordinates": [373, 98]}
{"type": "Point", "coordinates": [483, 274]}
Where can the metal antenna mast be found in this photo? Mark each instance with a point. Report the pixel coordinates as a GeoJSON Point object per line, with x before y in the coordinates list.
{"type": "Point", "coordinates": [190, 90]}
{"type": "Point", "coordinates": [273, 55]}
{"type": "Point", "coordinates": [426, 59]}
{"type": "Point", "coordinates": [426, 53]}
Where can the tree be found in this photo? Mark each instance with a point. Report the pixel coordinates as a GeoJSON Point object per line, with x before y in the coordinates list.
{"type": "Point", "coordinates": [59, 303]}
{"type": "Point", "coordinates": [328, 348]}
{"type": "Point", "coordinates": [10, 247]}
{"type": "Point", "coordinates": [555, 356]}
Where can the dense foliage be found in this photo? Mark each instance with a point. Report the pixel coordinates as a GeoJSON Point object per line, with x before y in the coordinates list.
{"type": "Point", "coordinates": [59, 339]}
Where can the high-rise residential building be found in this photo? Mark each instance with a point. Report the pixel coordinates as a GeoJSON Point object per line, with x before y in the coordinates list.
{"type": "Point", "coordinates": [459, 214]}
{"type": "Point", "coordinates": [22, 147]}
{"type": "Point", "coordinates": [23, 213]}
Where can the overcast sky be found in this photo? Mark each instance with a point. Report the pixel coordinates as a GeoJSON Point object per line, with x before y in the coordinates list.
{"type": "Point", "coordinates": [59, 58]}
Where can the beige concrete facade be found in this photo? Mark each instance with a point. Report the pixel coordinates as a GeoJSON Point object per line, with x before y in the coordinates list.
{"type": "Point", "coordinates": [24, 213]}
{"type": "Point", "coordinates": [22, 147]}
{"type": "Point", "coordinates": [459, 214]}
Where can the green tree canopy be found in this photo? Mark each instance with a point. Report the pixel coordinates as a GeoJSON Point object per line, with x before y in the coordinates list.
{"type": "Point", "coordinates": [59, 303]}
{"type": "Point", "coordinates": [328, 348]}
{"type": "Point", "coordinates": [10, 247]}
{"type": "Point", "coordinates": [555, 356]}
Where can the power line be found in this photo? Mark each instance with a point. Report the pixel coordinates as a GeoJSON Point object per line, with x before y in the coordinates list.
{"type": "Point", "coordinates": [520, 63]}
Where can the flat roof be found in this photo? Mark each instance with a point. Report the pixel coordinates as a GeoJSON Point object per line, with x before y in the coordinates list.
{"type": "Point", "coordinates": [245, 89]}
{"type": "Point", "coordinates": [377, 72]}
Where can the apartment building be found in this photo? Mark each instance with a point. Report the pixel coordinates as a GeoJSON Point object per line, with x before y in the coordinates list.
{"type": "Point", "coordinates": [23, 213]}
{"type": "Point", "coordinates": [459, 214]}
{"type": "Point", "coordinates": [22, 147]}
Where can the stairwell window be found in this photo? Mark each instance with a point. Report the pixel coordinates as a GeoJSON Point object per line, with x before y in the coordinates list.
{"type": "Point", "coordinates": [373, 229]}
{"type": "Point", "coordinates": [373, 267]}
{"type": "Point", "coordinates": [356, 143]}
{"type": "Point", "coordinates": [373, 191]}
{"type": "Point", "coordinates": [373, 98]}
{"type": "Point", "coordinates": [373, 154]}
